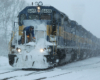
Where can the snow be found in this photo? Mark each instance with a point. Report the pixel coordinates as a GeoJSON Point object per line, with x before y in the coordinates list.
{"type": "Point", "coordinates": [4, 64]}
{"type": "Point", "coordinates": [3, 61]}
{"type": "Point", "coordinates": [90, 74]}
{"type": "Point", "coordinates": [88, 69]}
{"type": "Point", "coordinates": [31, 56]}
{"type": "Point", "coordinates": [31, 44]}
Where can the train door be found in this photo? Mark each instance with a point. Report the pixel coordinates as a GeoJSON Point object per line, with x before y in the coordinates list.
{"type": "Point", "coordinates": [54, 24]}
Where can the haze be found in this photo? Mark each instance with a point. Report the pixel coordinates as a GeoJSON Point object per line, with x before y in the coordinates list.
{"type": "Point", "coordinates": [85, 12]}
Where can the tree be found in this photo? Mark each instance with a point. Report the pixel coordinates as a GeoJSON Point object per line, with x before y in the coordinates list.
{"type": "Point", "coordinates": [9, 10]}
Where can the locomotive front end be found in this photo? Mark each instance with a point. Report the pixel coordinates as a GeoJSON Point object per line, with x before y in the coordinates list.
{"type": "Point", "coordinates": [40, 51]}
{"type": "Point", "coordinates": [36, 53]}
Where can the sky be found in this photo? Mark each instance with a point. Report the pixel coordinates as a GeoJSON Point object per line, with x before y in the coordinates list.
{"type": "Point", "coordinates": [85, 12]}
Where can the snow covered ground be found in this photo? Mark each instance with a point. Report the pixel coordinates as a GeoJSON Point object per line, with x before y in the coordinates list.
{"type": "Point", "coordinates": [88, 69]}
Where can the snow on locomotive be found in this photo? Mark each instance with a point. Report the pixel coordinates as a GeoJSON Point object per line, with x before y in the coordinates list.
{"type": "Point", "coordinates": [57, 40]}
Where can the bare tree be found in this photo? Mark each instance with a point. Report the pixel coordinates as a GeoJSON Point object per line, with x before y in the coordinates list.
{"type": "Point", "coordinates": [9, 10]}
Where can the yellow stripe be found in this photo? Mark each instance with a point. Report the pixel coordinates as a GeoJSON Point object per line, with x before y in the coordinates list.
{"type": "Point", "coordinates": [49, 30]}
{"type": "Point", "coordinates": [21, 30]}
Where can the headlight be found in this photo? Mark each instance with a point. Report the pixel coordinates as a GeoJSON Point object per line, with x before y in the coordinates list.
{"type": "Point", "coordinates": [19, 50]}
{"type": "Point", "coordinates": [38, 8]}
{"type": "Point", "coordinates": [41, 50]}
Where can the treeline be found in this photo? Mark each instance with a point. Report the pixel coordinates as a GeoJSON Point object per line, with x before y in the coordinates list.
{"type": "Point", "coordinates": [9, 10]}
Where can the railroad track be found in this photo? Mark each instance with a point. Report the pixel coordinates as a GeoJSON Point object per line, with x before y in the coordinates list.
{"type": "Point", "coordinates": [9, 71]}
{"type": "Point", "coordinates": [53, 76]}
{"type": "Point", "coordinates": [34, 72]}
{"type": "Point", "coordinates": [61, 74]}
{"type": "Point", "coordinates": [43, 78]}
{"type": "Point", "coordinates": [27, 73]}
{"type": "Point", "coordinates": [84, 65]}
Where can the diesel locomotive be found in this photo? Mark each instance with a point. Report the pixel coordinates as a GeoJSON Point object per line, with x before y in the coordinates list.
{"type": "Point", "coordinates": [58, 39]}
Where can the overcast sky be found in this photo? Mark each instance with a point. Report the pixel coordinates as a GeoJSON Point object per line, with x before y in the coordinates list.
{"type": "Point", "coordinates": [85, 12]}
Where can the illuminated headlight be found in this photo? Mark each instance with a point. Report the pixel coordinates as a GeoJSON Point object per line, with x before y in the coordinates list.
{"type": "Point", "coordinates": [41, 50]}
{"type": "Point", "coordinates": [38, 8]}
{"type": "Point", "coordinates": [19, 50]}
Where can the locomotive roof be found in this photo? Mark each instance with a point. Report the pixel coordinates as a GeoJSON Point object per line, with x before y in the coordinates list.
{"type": "Point", "coordinates": [42, 7]}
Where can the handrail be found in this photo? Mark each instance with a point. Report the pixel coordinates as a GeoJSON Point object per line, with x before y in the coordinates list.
{"type": "Point", "coordinates": [11, 40]}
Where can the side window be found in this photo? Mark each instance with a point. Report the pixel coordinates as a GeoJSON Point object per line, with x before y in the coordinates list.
{"type": "Point", "coordinates": [22, 17]}
{"type": "Point", "coordinates": [45, 16]}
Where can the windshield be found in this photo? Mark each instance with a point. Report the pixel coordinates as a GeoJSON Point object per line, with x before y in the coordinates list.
{"type": "Point", "coordinates": [45, 17]}
{"type": "Point", "coordinates": [42, 16]}
{"type": "Point", "coordinates": [33, 16]}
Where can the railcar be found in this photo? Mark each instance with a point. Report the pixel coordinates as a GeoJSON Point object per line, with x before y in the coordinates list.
{"type": "Point", "coordinates": [58, 39]}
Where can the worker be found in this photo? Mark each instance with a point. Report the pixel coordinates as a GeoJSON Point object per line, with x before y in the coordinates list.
{"type": "Point", "coordinates": [29, 33]}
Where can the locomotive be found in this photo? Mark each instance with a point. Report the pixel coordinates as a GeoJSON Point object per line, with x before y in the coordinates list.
{"type": "Point", "coordinates": [58, 39]}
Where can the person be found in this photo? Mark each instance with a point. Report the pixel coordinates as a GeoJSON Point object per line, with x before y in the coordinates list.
{"type": "Point", "coordinates": [29, 33]}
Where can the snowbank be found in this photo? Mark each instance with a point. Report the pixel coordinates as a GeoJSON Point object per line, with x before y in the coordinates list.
{"type": "Point", "coordinates": [3, 61]}
{"type": "Point", "coordinates": [4, 64]}
{"type": "Point", "coordinates": [31, 56]}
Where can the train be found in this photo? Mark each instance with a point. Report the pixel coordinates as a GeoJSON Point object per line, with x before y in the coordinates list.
{"type": "Point", "coordinates": [58, 39]}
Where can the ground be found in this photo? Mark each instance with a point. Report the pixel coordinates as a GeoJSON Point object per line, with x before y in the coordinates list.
{"type": "Point", "coordinates": [88, 69]}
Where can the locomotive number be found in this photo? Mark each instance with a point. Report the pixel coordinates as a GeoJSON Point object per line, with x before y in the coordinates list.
{"type": "Point", "coordinates": [31, 10]}
{"type": "Point", "coordinates": [46, 11]}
